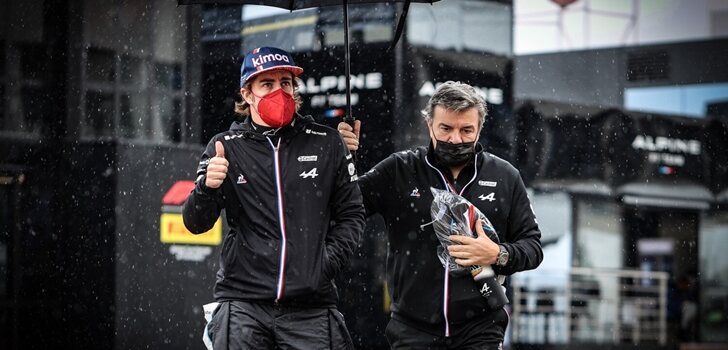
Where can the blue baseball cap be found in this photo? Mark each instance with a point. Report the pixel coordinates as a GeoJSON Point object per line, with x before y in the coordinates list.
{"type": "Point", "coordinates": [265, 59]}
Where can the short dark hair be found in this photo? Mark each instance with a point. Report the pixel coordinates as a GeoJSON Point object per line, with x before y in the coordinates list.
{"type": "Point", "coordinates": [458, 97]}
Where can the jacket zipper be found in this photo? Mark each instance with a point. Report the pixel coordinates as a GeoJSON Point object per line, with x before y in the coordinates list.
{"type": "Point", "coordinates": [446, 283]}
{"type": "Point", "coordinates": [281, 220]}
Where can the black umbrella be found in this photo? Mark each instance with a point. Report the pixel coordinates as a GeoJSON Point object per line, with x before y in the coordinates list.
{"type": "Point", "coordinates": [302, 4]}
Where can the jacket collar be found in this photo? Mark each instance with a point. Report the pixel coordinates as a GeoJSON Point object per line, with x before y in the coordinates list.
{"type": "Point", "coordinates": [287, 132]}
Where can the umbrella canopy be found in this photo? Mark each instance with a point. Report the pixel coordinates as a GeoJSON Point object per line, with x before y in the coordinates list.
{"type": "Point", "coordinates": [294, 4]}
{"type": "Point", "coordinates": [302, 4]}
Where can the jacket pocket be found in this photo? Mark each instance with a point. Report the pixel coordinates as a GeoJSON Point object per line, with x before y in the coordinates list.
{"type": "Point", "coordinates": [338, 333]}
{"type": "Point", "coordinates": [218, 327]}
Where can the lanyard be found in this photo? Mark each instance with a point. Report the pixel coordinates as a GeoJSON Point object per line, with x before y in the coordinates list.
{"type": "Point", "coordinates": [450, 187]}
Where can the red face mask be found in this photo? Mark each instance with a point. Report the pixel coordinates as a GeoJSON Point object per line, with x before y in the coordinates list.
{"type": "Point", "coordinates": [276, 108]}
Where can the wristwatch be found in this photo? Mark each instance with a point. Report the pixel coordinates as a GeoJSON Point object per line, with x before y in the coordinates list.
{"type": "Point", "coordinates": [502, 258]}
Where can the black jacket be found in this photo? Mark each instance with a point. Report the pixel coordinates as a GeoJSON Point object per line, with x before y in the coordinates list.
{"type": "Point", "coordinates": [399, 189]}
{"type": "Point", "coordinates": [289, 238]}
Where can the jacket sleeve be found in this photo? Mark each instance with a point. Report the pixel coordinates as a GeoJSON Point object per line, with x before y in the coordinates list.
{"type": "Point", "coordinates": [347, 213]}
{"type": "Point", "coordinates": [523, 237]}
{"type": "Point", "coordinates": [376, 185]}
{"type": "Point", "coordinates": [203, 205]}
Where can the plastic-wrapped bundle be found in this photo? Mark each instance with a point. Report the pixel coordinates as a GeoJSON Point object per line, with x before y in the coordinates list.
{"type": "Point", "coordinates": [454, 215]}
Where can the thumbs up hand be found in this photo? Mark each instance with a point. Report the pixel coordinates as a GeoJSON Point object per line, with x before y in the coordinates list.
{"type": "Point", "coordinates": [217, 168]}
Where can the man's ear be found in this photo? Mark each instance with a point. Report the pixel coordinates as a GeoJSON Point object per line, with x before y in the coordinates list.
{"type": "Point", "coordinates": [247, 95]}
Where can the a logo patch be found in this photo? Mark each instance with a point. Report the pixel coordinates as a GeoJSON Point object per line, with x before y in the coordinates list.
{"type": "Point", "coordinates": [485, 291]}
{"type": "Point", "coordinates": [415, 193]}
{"type": "Point", "coordinates": [489, 198]}
{"type": "Point", "coordinates": [352, 169]}
{"type": "Point", "coordinates": [487, 183]}
{"type": "Point", "coordinates": [257, 61]}
{"type": "Point", "coordinates": [230, 137]}
{"type": "Point", "coordinates": [311, 173]}
{"type": "Point", "coordinates": [307, 158]}
{"type": "Point", "coordinates": [242, 180]}
{"type": "Point", "coordinates": [309, 131]}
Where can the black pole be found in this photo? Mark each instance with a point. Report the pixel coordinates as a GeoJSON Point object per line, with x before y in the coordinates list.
{"type": "Point", "coordinates": [348, 117]}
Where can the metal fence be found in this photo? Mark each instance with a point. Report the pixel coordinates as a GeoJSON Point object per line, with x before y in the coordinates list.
{"type": "Point", "coordinates": [586, 305]}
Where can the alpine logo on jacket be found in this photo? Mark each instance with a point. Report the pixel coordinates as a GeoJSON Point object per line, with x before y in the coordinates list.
{"type": "Point", "coordinates": [485, 291]}
{"type": "Point", "coordinates": [490, 197]}
{"type": "Point", "coordinates": [311, 173]}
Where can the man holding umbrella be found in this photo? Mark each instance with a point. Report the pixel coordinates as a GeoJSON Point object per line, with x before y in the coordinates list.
{"type": "Point", "coordinates": [288, 187]}
{"type": "Point", "coordinates": [431, 307]}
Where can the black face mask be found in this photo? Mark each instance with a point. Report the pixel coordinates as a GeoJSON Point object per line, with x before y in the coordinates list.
{"type": "Point", "coordinates": [454, 154]}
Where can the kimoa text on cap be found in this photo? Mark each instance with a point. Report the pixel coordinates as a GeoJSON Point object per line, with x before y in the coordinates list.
{"type": "Point", "coordinates": [257, 61]}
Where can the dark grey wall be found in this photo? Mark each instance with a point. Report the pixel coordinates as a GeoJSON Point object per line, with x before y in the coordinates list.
{"type": "Point", "coordinates": [158, 298]}
{"type": "Point", "coordinates": [599, 77]}
{"type": "Point", "coordinates": [592, 78]}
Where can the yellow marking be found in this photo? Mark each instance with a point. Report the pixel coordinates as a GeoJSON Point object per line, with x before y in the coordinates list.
{"type": "Point", "coordinates": [387, 303]}
{"type": "Point", "coordinates": [295, 22]}
{"type": "Point", "coordinates": [172, 230]}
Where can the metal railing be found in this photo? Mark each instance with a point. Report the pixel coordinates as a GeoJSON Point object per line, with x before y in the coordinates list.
{"type": "Point", "coordinates": [590, 306]}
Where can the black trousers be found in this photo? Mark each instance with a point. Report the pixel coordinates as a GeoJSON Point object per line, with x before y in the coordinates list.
{"type": "Point", "coordinates": [238, 325]}
{"type": "Point", "coordinates": [483, 333]}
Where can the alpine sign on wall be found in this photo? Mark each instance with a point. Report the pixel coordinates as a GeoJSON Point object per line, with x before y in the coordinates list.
{"type": "Point", "coordinates": [666, 148]}
{"type": "Point", "coordinates": [323, 89]}
{"type": "Point", "coordinates": [323, 84]}
{"type": "Point", "coordinates": [627, 151]}
{"type": "Point", "coordinates": [670, 153]}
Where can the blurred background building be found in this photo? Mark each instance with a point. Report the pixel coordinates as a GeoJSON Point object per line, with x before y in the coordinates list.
{"type": "Point", "coordinates": [99, 117]}
{"type": "Point", "coordinates": [614, 111]}
{"type": "Point", "coordinates": [623, 109]}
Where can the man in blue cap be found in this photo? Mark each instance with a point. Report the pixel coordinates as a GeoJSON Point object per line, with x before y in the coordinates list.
{"type": "Point", "coordinates": [294, 211]}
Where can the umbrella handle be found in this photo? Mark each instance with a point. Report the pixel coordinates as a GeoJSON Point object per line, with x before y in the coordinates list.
{"type": "Point", "coordinates": [348, 119]}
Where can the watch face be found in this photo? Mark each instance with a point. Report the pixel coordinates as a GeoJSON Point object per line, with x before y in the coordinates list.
{"type": "Point", "coordinates": [502, 257]}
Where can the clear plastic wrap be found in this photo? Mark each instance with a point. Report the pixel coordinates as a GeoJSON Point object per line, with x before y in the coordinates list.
{"type": "Point", "coordinates": [454, 215]}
